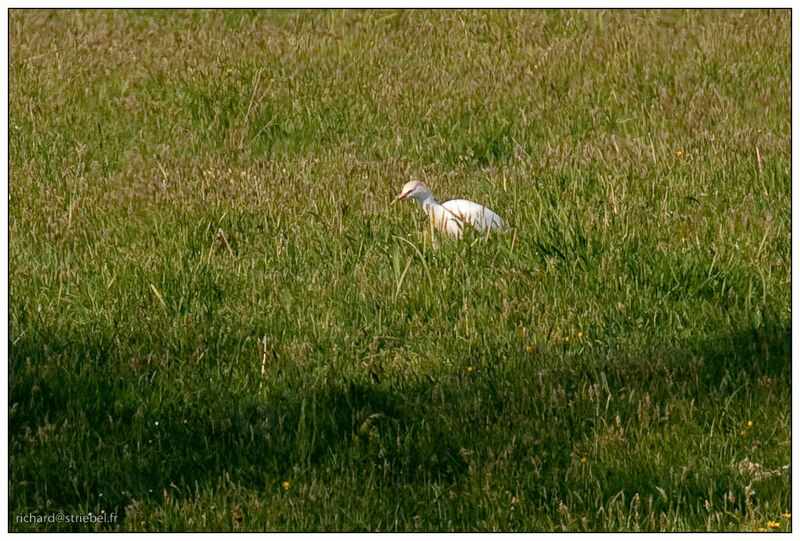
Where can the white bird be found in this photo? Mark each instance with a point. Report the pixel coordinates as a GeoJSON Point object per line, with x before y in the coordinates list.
{"type": "Point", "coordinates": [449, 217]}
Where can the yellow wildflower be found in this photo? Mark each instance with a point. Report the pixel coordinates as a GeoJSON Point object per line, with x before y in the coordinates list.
{"type": "Point", "coordinates": [469, 369]}
{"type": "Point", "coordinates": [679, 153]}
{"type": "Point", "coordinates": [285, 485]}
{"type": "Point", "coordinates": [580, 334]}
{"type": "Point", "coordinates": [528, 348]}
{"type": "Point", "coordinates": [787, 516]}
{"type": "Point", "coordinates": [566, 339]}
{"type": "Point", "coordinates": [773, 524]}
{"type": "Point", "coordinates": [749, 423]}
{"type": "Point", "coordinates": [583, 460]}
{"type": "Point", "coordinates": [762, 529]}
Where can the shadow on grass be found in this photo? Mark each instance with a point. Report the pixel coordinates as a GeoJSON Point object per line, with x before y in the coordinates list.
{"type": "Point", "coordinates": [87, 435]}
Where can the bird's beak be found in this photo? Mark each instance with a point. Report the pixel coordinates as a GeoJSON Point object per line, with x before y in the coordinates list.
{"type": "Point", "coordinates": [400, 197]}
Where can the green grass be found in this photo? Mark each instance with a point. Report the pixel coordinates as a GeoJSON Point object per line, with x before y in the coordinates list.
{"type": "Point", "coordinates": [210, 295]}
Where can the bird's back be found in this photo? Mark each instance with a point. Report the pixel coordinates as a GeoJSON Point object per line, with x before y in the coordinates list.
{"type": "Point", "coordinates": [478, 216]}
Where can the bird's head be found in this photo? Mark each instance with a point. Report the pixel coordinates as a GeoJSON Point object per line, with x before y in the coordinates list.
{"type": "Point", "coordinates": [415, 190]}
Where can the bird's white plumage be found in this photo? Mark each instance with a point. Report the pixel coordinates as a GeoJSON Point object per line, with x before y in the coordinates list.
{"type": "Point", "coordinates": [449, 217]}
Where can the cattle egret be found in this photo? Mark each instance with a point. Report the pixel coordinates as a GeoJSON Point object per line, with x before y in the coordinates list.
{"type": "Point", "coordinates": [449, 217]}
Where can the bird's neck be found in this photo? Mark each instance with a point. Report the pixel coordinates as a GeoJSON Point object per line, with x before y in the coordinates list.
{"type": "Point", "coordinates": [429, 204]}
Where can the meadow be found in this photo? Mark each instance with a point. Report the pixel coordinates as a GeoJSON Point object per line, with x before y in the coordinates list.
{"type": "Point", "coordinates": [217, 322]}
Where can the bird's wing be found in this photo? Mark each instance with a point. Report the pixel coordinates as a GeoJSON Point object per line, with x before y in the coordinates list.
{"type": "Point", "coordinates": [480, 217]}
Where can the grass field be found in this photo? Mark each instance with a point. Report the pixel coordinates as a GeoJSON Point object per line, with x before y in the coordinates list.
{"type": "Point", "coordinates": [217, 322]}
